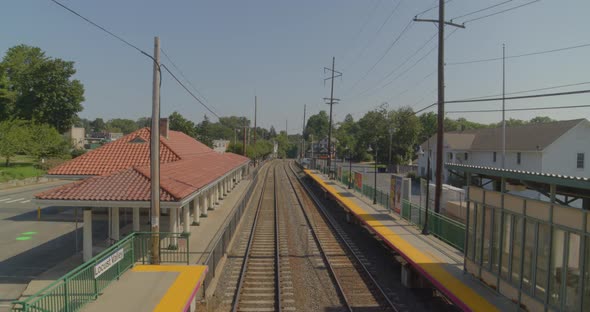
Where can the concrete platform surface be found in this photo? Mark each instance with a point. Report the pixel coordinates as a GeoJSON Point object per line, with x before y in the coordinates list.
{"type": "Point", "coordinates": [437, 261]}
{"type": "Point", "coordinates": [151, 288]}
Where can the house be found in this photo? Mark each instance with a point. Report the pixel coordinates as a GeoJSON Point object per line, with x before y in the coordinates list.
{"type": "Point", "coordinates": [320, 149]}
{"type": "Point", "coordinates": [559, 147]}
{"type": "Point", "coordinates": [220, 146]}
{"type": "Point", "coordinates": [76, 136]}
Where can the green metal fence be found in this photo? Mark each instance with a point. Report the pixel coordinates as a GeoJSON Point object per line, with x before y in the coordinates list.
{"type": "Point", "coordinates": [82, 285]}
{"type": "Point", "coordinates": [448, 230]}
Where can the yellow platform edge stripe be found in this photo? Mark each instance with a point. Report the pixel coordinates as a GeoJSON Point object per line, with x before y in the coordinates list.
{"type": "Point", "coordinates": [460, 293]}
{"type": "Point", "coordinates": [180, 294]}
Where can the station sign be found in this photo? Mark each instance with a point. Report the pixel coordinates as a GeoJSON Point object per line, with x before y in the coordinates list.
{"type": "Point", "coordinates": [108, 262]}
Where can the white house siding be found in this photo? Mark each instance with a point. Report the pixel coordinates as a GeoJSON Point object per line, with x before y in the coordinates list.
{"type": "Point", "coordinates": [560, 157]}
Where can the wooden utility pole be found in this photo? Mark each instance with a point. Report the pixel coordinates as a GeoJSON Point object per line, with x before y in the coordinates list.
{"type": "Point", "coordinates": [441, 97]}
{"type": "Point", "coordinates": [302, 133]}
{"type": "Point", "coordinates": [155, 156]}
{"type": "Point", "coordinates": [255, 112]}
{"type": "Point", "coordinates": [254, 138]}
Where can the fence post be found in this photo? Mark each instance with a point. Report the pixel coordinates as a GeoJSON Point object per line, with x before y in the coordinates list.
{"type": "Point", "coordinates": [66, 295]}
{"type": "Point", "coordinates": [187, 250]}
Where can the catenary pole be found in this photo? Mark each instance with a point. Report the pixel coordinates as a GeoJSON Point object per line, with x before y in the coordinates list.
{"type": "Point", "coordinates": [503, 106]}
{"type": "Point", "coordinates": [155, 156]}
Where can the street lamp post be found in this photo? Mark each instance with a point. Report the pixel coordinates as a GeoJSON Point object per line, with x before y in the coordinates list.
{"type": "Point", "coordinates": [375, 182]}
{"type": "Point", "coordinates": [391, 130]}
{"type": "Point", "coordinates": [425, 230]}
{"type": "Point", "coordinates": [349, 167]}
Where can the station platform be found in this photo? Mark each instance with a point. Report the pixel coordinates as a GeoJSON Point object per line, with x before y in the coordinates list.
{"type": "Point", "coordinates": [439, 263]}
{"type": "Point", "coordinates": [158, 288]}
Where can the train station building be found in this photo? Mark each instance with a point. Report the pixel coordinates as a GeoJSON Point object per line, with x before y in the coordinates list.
{"type": "Point", "coordinates": [536, 253]}
{"type": "Point", "coordinates": [116, 177]}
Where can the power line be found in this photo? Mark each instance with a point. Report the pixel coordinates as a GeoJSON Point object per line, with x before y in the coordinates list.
{"type": "Point", "coordinates": [432, 8]}
{"type": "Point", "coordinates": [521, 55]}
{"type": "Point", "coordinates": [368, 19]}
{"type": "Point", "coordinates": [518, 109]}
{"type": "Point", "coordinates": [509, 98]}
{"type": "Point", "coordinates": [531, 90]}
{"type": "Point", "coordinates": [187, 90]}
{"type": "Point", "coordinates": [520, 97]}
{"type": "Point", "coordinates": [418, 61]}
{"type": "Point", "coordinates": [500, 12]}
{"type": "Point", "coordinates": [397, 68]}
{"type": "Point", "coordinates": [104, 29]}
{"type": "Point", "coordinates": [374, 37]}
{"type": "Point", "coordinates": [136, 48]}
{"type": "Point", "coordinates": [384, 54]}
{"type": "Point", "coordinates": [481, 10]}
{"type": "Point", "coordinates": [183, 76]}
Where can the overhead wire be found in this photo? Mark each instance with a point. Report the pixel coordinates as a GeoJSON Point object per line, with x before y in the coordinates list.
{"type": "Point", "coordinates": [384, 54]}
{"type": "Point", "coordinates": [517, 109]}
{"type": "Point", "coordinates": [375, 36]}
{"type": "Point", "coordinates": [368, 19]}
{"type": "Point", "coordinates": [481, 10]}
{"type": "Point", "coordinates": [432, 8]}
{"type": "Point", "coordinates": [531, 90]}
{"type": "Point", "coordinates": [509, 98]}
{"type": "Point", "coordinates": [183, 76]}
{"type": "Point", "coordinates": [376, 85]}
{"type": "Point", "coordinates": [500, 12]}
{"type": "Point", "coordinates": [137, 49]}
{"type": "Point", "coordinates": [520, 55]}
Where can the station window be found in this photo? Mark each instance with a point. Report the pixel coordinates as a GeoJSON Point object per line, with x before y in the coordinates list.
{"type": "Point", "coordinates": [580, 161]}
{"type": "Point", "coordinates": [518, 158]}
{"type": "Point", "coordinates": [543, 236]}
{"type": "Point", "coordinates": [450, 156]}
{"type": "Point", "coordinates": [466, 156]}
{"type": "Point", "coordinates": [495, 156]}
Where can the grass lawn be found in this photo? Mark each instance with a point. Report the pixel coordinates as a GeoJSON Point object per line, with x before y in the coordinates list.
{"type": "Point", "coordinates": [21, 167]}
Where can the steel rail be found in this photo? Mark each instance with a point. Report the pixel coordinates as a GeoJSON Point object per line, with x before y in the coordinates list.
{"type": "Point", "coordinates": [332, 223]}
{"type": "Point", "coordinates": [339, 288]}
{"type": "Point", "coordinates": [248, 248]}
{"type": "Point", "coordinates": [277, 250]}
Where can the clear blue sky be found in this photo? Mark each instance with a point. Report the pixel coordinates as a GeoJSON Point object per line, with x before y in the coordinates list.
{"type": "Point", "coordinates": [232, 50]}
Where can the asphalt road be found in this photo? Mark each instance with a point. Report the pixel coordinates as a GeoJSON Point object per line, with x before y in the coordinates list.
{"type": "Point", "coordinates": [28, 246]}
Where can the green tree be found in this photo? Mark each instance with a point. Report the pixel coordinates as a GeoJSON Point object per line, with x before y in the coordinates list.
{"type": "Point", "coordinates": [541, 119]}
{"type": "Point", "coordinates": [374, 131]}
{"type": "Point", "coordinates": [98, 125]}
{"type": "Point", "coordinates": [47, 142]}
{"type": "Point", "coordinates": [45, 91]}
{"type": "Point", "coordinates": [317, 125]}
{"type": "Point", "coordinates": [428, 123]}
{"type": "Point", "coordinates": [7, 97]}
{"type": "Point", "coordinates": [178, 123]}
{"type": "Point", "coordinates": [143, 122]}
{"type": "Point", "coordinates": [15, 138]}
{"type": "Point", "coordinates": [124, 125]}
{"type": "Point", "coordinates": [346, 136]}
{"type": "Point", "coordinates": [406, 131]}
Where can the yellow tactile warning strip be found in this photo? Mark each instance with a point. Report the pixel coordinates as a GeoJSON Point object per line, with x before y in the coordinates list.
{"type": "Point", "coordinates": [459, 293]}
{"type": "Point", "coordinates": [180, 295]}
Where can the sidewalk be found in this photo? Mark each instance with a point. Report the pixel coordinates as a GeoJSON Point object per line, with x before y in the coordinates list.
{"type": "Point", "coordinates": [438, 262]}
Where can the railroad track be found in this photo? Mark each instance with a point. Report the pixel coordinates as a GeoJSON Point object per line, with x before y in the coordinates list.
{"type": "Point", "coordinates": [358, 289]}
{"type": "Point", "coordinates": [262, 280]}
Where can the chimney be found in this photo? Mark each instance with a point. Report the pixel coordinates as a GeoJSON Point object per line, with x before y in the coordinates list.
{"type": "Point", "coordinates": [164, 128]}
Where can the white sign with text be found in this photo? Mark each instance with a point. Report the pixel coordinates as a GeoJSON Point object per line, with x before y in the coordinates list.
{"type": "Point", "coordinates": [108, 262]}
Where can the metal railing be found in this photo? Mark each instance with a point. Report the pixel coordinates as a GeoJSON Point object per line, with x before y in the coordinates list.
{"type": "Point", "coordinates": [221, 244]}
{"type": "Point", "coordinates": [445, 228]}
{"type": "Point", "coordinates": [86, 282]}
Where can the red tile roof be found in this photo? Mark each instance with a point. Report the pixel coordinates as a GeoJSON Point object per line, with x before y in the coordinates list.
{"type": "Point", "coordinates": [126, 185]}
{"type": "Point", "coordinates": [177, 180]}
{"type": "Point", "coordinates": [127, 152]}
{"type": "Point", "coordinates": [122, 171]}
